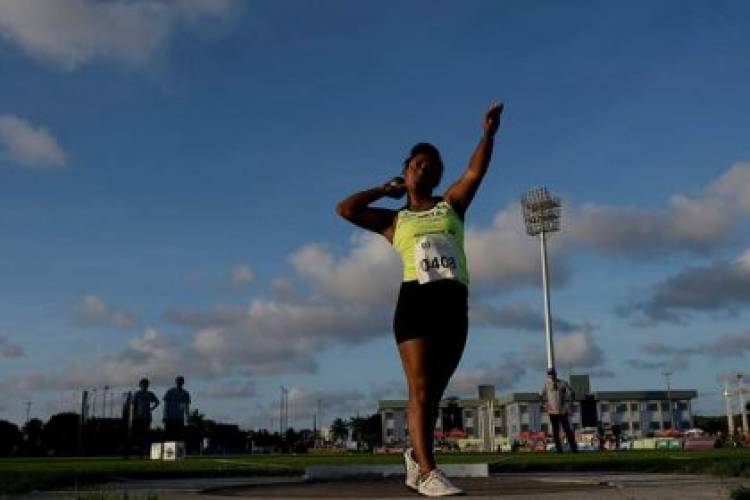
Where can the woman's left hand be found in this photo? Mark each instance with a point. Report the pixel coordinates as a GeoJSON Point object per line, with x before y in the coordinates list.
{"type": "Point", "coordinates": [492, 119]}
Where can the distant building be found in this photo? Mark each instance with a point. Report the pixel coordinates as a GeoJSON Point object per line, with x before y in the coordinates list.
{"type": "Point", "coordinates": [637, 413]}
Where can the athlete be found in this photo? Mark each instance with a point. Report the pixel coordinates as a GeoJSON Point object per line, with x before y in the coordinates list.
{"type": "Point", "coordinates": [431, 319]}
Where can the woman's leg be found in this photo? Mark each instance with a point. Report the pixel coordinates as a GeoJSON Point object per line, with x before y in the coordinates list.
{"type": "Point", "coordinates": [429, 366]}
{"type": "Point", "coordinates": [443, 359]}
{"type": "Point", "coordinates": [414, 357]}
{"type": "Point", "coordinates": [447, 347]}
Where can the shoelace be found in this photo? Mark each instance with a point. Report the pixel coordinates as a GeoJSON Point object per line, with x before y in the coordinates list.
{"type": "Point", "coordinates": [435, 475]}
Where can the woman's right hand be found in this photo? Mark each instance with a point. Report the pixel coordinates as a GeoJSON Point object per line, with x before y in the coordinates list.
{"type": "Point", "coordinates": [395, 188]}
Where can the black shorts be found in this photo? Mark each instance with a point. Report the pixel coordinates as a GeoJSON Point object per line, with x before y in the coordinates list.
{"type": "Point", "coordinates": [437, 310]}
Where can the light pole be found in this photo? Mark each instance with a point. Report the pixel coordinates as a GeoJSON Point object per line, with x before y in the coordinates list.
{"type": "Point", "coordinates": [104, 402]}
{"type": "Point", "coordinates": [541, 213]}
{"type": "Point", "coordinates": [318, 422]}
{"type": "Point", "coordinates": [741, 402]}
{"type": "Point", "coordinates": [28, 410]}
{"type": "Point", "coordinates": [283, 411]}
{"type": "Point", "coordinates": [730, 411]}
{"type": "Point", "coordinates": [93, 403]}
{"type": "Point", "coordinates": [667, 376]}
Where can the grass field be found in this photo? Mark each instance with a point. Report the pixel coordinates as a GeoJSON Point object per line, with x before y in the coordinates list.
{"type": "Point", "coordinates": [18, 475]}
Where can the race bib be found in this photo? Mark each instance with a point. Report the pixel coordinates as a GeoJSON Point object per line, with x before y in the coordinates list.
{"type": "Point", "coordinates": [435, 258]}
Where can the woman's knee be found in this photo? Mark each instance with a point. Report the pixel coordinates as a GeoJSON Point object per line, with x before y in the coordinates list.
{"type": "Point", "coordinates": [420, 393]}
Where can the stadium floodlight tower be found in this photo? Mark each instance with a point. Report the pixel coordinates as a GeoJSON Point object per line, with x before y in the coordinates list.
{"type": "Point", "coordinates": [541, 213]}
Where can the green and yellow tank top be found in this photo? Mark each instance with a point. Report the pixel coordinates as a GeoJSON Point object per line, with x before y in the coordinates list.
{"type": "Point", "coordinates": [431, 244]}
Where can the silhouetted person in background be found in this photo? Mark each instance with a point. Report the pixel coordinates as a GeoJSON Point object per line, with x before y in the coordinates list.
{"type": "Point", "coordinates": [176, 410]}
{"type": "Point", "coordinates": [144, 402]}
{"type": "Point", "coordinates": [556, 398]}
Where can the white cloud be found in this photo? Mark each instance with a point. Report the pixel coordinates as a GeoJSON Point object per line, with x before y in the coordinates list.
{"type": "Point", "coordinates": [517, 316]}
{"type": "Point", "coordinates": [735, 185]}
{"type": "Point", "coordinates": [369, 275]}
{"type": "Point", "coordinates": [504, 256]}
{"type": "Point", "coordinates": [721, 286]}
{"type": "Point", "coordinates": [151, 355]}
{"type": "Point", "coordinates": [503, 376]}
{"type": "Point", "coordinates": [286, 331]}
{"type": "Point", "coordinates": [28, 145]}
{"type": "Point", "coordinates": [576, 350]}
{"type": "Point", "coordinates": [693, 224]}
{"type": "Point", "coordinates": [276, 337]}
{"type": "Point", "coordinates": [70, 33]}
{"type": "Point", "coordinates": [724, 346]}
{"type": "Point", "coordinates": [92, 311]}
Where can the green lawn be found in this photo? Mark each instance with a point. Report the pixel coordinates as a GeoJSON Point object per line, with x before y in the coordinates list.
{"type": "Point", "coordinates": [43, 473]}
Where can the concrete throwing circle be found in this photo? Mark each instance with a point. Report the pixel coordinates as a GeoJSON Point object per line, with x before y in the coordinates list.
{"type": "Point", "coordinates": [394, 487]}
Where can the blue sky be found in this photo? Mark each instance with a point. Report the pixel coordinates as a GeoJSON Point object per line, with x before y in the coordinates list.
{"type": "Point", "coordinates": [169, 172]}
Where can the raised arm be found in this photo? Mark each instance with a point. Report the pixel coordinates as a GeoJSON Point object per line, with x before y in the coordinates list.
{"type": "Point", "coordinates": [357, 210]}
{"type": "Point", "coordinates": [460, 194]}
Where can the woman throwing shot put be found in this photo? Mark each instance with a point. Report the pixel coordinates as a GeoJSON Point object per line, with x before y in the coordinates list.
{"type": "Point", "coordinates": [431, 319]}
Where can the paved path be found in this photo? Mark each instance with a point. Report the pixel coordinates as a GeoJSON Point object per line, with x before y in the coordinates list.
{"type": "Point", "coordinates": [543, 486]}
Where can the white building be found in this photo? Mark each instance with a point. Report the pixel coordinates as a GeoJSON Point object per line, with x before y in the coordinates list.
{"type": "Point", "coordinates": [637, 413]}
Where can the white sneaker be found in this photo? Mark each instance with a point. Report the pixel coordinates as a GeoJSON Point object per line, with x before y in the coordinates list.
{"type": "Point", "coordinates": [412, 470]}
{"type": "Point", "coordinates": [435, 484]}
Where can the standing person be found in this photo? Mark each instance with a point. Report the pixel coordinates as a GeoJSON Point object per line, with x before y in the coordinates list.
{"type": "Point", "coordinates": [431, 318]}
{"type": "Point", "coordinates": [176, 410]}
{"type": "Point", "coordinates": [556, 398]}
{"type": "Point", "coordinates": [144, 402]}
{"type": "Point", "coordinates": [600, 437]}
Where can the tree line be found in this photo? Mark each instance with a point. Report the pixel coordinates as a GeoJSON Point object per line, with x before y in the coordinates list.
{"type": "Point", "coordinates": [66, 434]}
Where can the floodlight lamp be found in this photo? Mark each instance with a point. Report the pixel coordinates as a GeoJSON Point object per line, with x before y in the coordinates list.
{"type": "Point", "coordinates": [541, 211]}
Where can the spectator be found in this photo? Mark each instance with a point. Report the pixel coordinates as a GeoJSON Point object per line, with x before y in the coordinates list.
{"type": "Point", "coordinates": [176, 410]}
{"type": "Point", "coordinates": [144, 402]}
{"type": "Point", "coordinates": [556, 398]}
